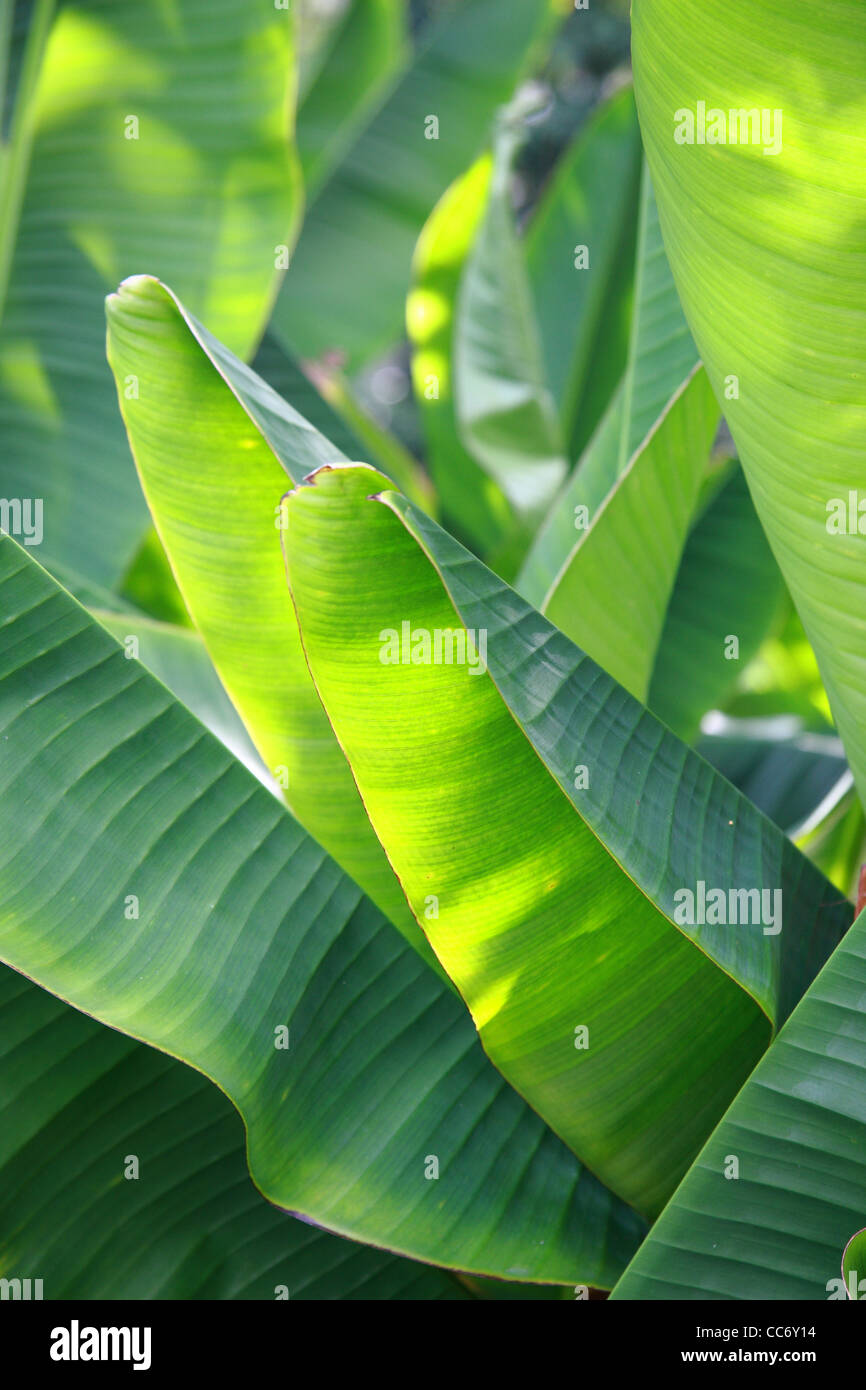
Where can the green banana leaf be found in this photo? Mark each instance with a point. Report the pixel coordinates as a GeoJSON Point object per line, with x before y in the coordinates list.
{"type": "Point", "coordinates": [760, 190]}
{"type": "Point", "coordinates": [330, 409]}
{"type": "Point", "coordinates": [611, 596]}
{"type": "Point", "coordinates": [728, 585]}
{"type": "Point", "coordinates": [779, 1189]}
{"type": "Point", "coordinates": [177, 657]}
{"type": "Point", "coordinates": [146, 878]}
{"type": "Point", "coordinates": [143, 136]}
{"type": "Point", "coordinates": [506, 410]}
{"type": "Point", "coordinates": [583, 315]}
{"type": "Point", "coordinates": [786, 773]}
{"type": "Point", "coordinates": [365, 50]}
{"type": "Point", "coordinates": [347, 286]}
{"type": "Point", "coordinates": [474, 507]}
{"type": "Point", "coordinates": [661, 357]}
{"type": "Point", "coordinates": [544, 894]}
{"type": "Point", "coordinates": [78, 1102]}
{"type": "Point", "coordinates": [216, 449]}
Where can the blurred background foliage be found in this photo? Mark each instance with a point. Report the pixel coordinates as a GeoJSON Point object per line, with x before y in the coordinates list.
{"type": "Point", "coordinates": [358, 261]}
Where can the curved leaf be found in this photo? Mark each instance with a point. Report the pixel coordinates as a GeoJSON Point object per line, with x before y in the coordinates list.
{"type": "Point", "coordinates": [472, 502]}
{"type": "Point", "coordinates": [661, 356]}
{"type": "Point", "coordinates": [728, 585]}
{"type": "Point", "coordinates": [612, 593]}
{"type": "Point", "coordinates": [506, 411]}
{"type": "Point", "coordinates": [767, 242]}
{"type": "Point", "coordinates": [776, 1225]}
{"type": "Point", "coordinates": [550, 907]}
{"type": "Point", "coordinates": [591, 201]}
{"type": "Point", "coordinates": [216, 449]}
{"type": "Point", "coordinates": [77, 1102]}
{"type": "Point", "coordinates": [110, 791]}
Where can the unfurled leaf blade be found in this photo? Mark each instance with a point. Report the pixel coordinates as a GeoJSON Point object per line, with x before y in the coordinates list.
{"type": "Point", "coordinates": [148, 879]}
{"type": "Point", "coordinates": [661, 356]}
{"type": "Point", "coordinates": [728, 586]}
{"type": "Point", "coordinates": [753, 134]}
{"type": "Point", "coordinates": [544, 893]}
{"type": "Point", "coordinates": [587, 213]}
{"type": "Point", "coordinates": [216, 448]}
{"type": "Point", "coordinates": [612, 593]}
{"type": "Point", "coordinates": [776, 1224]}
{"type": "Point", "coordinates": [78, 1103]}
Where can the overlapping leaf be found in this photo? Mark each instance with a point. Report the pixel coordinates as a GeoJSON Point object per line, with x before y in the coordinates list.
{"type": "Point", "coordinates": [506, 410]}
{"type": "Point", "coordinates": [612, 594]}
{"type": "Point", "coordinates": [148, 879]}
{"type": "Point", "coordinates": [216, 448]}
{"type": "Point", "coordinates": [776, 1224]}
{"type": "Point", "coordinates": [78, 1102]}
{"type": "Point", "coordinates": [551, 906]}
{"type": "Point", "coordinates": [474, 506]}
{"type": "Point", "coordinates": [728, 586]}
{"type": "Point", "coordinates": [604, 563]}
{"type": "Point", "coordinates": [590, 205]}
{"type": "Point", "coordinates": [661, 356]}
{"type": "Point", "coordinates": [761, 193]}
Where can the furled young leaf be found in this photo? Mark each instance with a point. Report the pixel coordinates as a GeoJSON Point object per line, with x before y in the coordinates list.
{"type": "Point", "coordinates": [544, 892]}
{"type": "Point", "coordinates": [661, 357]}
{"type": "Point", "coordinates": [761, 187]}
{"type": "Point", "coordinates": [78, 1101]}
{"type": "Point", "coordinates": [347, 286]}
{"type": "Point", "coordinates": [216, 449]}
{"type": "Point", "coordinates": [365, 50]}
{"type": "Point", "coordinates": [506, 411]}
{"type": "Point", "coordinates": [583, 310]}
{"type": "Point", "coordinates": [776, 1225]}
{"type": "Point", "coordinates": [161, 140]}
{"type": "Point", "coordinates": [728, 585]}
{"type": "Point", "coordinates": [148, 879]}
